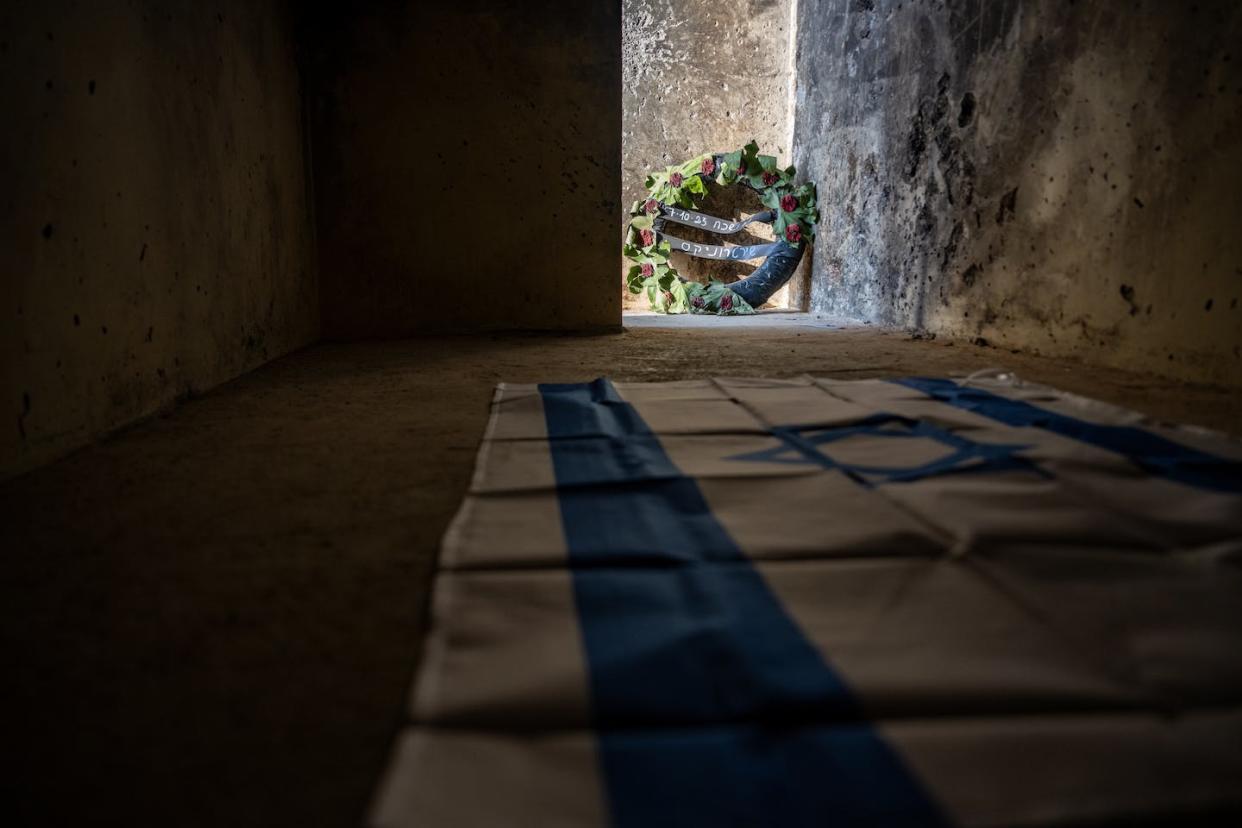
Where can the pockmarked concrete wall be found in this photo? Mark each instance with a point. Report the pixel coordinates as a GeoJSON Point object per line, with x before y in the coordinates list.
{"type": "Point", "coordinates": [704, 76]}
{"type": "Point", "coordinates": [1065, 178]}
{"type": "Point", "coordinates": [155, 238]}
{"type": "Point", "coordinates": [466, 162]}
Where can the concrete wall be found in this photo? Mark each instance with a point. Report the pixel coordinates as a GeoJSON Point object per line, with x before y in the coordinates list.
{"type": "Point", "coordinates": [704, 76]}
{"type": "Point", "coordinates": [154, 227]}
{"type": "Point", "coordinates": [466, 162]}
{"type": "Point", "coordinates": [1060, 177]}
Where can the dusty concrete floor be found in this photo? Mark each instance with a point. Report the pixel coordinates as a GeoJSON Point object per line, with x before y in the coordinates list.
{"type": "Point", "coordinates": [212, 618]}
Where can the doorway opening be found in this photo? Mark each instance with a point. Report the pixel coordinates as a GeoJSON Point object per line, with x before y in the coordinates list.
{"type": "Point", "coordinates": [690, 87]}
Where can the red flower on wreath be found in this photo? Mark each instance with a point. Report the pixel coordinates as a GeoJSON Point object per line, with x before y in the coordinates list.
{"type": "Point", "coordinates": [697, 302]}
{"type": "Point", "coordinates": [647, 237]}
{"type": "Point", "coordinates": [675, 179]}
{"type": "Point", "coordinates": [789, 203]}
{"type": "Point", "coordinates": [647, 270]}
{"type": "Point", "coordinates": [770, 178]}
{"type": "Point", "coordinates": [708, 166]}
{"type": "Point", "coordinates": [726, 302]}
{"type": "Point", "coordinates": [652, 205]}
{"type": "Point", "coordinates": [794, 233]}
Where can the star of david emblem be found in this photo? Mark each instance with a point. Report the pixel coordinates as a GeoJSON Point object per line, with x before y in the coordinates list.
{"type": "Point", "coordinates": [805, 445]}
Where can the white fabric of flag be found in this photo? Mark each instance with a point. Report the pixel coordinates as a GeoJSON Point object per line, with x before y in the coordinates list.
{"type": "Point", "coordinates": [751, 602]}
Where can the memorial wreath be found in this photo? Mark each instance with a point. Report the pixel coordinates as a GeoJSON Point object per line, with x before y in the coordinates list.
{"type": "Point", "coordinates": [671, 195]}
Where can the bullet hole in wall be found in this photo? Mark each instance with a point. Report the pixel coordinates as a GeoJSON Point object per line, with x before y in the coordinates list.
{"type": "Point", "coordinates": [966, 114]}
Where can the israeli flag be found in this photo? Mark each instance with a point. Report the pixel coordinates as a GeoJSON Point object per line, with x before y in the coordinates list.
{"type": "Point", "coordinates": [807, 602]}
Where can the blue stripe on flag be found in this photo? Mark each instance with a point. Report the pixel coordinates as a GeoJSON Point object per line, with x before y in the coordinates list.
{"type": "Point", "coordinates": [1150, 452]}
{"type": "Point", "coordinates": [711, 707]}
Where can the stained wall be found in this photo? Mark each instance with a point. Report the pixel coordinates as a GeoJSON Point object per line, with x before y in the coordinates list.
{"type": "Point", "coordinates": [155, 234]}
{"type": "Point", "coordinates": [1064, 178]}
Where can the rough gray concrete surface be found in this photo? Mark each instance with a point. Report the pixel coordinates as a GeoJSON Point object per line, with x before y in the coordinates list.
{"type": "Point", "coordinates": [212, 619]}
{"type": "Point", "coordinates": [704, 76]}
{"type": "Point", "coordinates": [155, 238]}
{"type": "Point", "coordinates": [466, 158]}
{"type": "Point", "coordinates": [1061, 177]}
